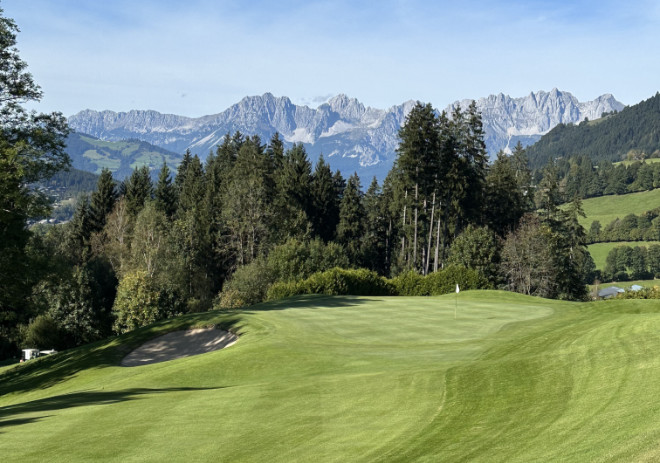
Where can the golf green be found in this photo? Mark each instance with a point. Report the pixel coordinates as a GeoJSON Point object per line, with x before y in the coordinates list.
{"type": "Point", "coordinates": [485, 376]}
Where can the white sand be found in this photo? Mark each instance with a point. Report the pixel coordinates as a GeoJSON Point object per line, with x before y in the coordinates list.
{"type": "Point", "coordinates": [179, 344]}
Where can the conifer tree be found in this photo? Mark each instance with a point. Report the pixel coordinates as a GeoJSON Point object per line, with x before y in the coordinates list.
{"type": "Point", "coordinates": [103, 200]}
{"type": "Point", "coordinates": [292, 204]}
{"type": "Point", "coordinates": [191, 188]}
{"type": "Point", "coordinates": [183, 167]}
{"type": "Point", "coordinates": [165, 192]}
{"type": "Point", "coordinates": [324, 202]}
{"type": "Point", "coordinates": [374, 242]}
{"type": "Point", "coordinates": [505, 203]}
{"type": "Point", "coordinates": [138, 189]}
{"type": "Point", "coordinates": [350, 230]}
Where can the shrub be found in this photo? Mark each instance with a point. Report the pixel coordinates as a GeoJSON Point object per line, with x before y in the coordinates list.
{"type": "Point", "coordinates": [408, 284]}
{"type": "Point", "coordinates": [445, 281]}
{"type": "Point", "coordinates": [297, 260]}
{"type": "Point", "coordinates": [139, 302]}
{"type": "Point", "coordinates": [441, 282]}
{"type": "Point", "coordinates": [247, 286]}
{"type": "Point", "coordinates": [336, 281]}
{"type": "Point", "coordinates": [282, 289]}
{"type": "Point", "coordinates": [44, 332]}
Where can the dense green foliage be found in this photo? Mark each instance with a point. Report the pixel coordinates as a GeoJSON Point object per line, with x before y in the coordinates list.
{"type": "Point", "coordinates": [634, 130]}
{"type": "Point", "coordinates": [637, 263]}
{"type": "Point", "coordinates": [362, 282]}
{"type": "Point", "coordinates": [31, 150]}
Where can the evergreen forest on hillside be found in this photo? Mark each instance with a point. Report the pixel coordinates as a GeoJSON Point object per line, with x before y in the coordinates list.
{"type": "Point", "coordinates": [633, 132]}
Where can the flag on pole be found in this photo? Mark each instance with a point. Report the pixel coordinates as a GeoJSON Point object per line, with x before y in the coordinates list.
{"type": "Point", "coordinates": [457, 289]}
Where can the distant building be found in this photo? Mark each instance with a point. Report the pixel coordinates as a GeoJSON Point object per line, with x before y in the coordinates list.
{"type": "Point", "coordinates": [612, 291]}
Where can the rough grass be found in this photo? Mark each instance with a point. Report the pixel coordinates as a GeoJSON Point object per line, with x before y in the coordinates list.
{"type": "Point", "coordinates": [510, 379]}
{"type": "Point", "coordinates": [607, 208]}
{"type": "Point", "coordinates": [648, 161]}
{"type": "Point", "coordinates": [599, 251]}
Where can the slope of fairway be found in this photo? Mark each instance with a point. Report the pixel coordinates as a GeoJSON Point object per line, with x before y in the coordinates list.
{"type": "Point", "coordinates": [607, 208]}
{"type": "Point", "coordinates": [511, 378]}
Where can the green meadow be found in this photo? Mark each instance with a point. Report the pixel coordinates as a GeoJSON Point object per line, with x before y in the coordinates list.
{"type": "Point", "coordinates": [599, 251]}
{"type": "Point", "coordinates": [486, 376]}
{"type": "Point", "coordinates": [607, 208]}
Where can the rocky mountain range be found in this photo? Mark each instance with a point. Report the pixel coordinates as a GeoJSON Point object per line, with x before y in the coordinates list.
{"type": "Point", "coordinates": [351, 137]}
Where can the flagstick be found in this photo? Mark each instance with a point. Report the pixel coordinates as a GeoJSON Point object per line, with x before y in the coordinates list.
{"type": "Point", "coordinates": [456, 306]}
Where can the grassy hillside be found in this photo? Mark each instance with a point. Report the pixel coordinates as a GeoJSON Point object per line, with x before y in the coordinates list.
{"type": "Point", "coordinates": [608, 208]}
{"type": "Point", "coordinates": [628, 163]}
{"type": "Point", "coordinates": [599, 251]}
{"type": "Point", "coordinates": [512, 378]}
{"type": "Point", "coordinates": [121, 157]}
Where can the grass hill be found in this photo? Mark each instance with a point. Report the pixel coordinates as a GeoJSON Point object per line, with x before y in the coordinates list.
{"type": "Point", "coordinates": [636, 128]}
{"type": "Point", "coordinates": [510, 379]}
{"type": "Point", "coordinates": [607, 208]}
{"type": "Point", "coordinates": [121, 157]}
{"type": "Point", "coordinates": [599, 251]}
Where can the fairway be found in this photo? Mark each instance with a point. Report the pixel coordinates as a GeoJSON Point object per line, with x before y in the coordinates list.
{"type": "Point", "coordinates": [317, 378]}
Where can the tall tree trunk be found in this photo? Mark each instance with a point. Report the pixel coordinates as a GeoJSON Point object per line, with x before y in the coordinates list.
{"type": "Point", "coordinates": [428, 252]}
{"type": "Point", "coordinates": [415, 237]}
{"type": "Point", "coordinates": [387, 245]}
{"type": "Point", "coordinates": [437, 245]}
{"type": "Point", "coordinates": [403, 238]}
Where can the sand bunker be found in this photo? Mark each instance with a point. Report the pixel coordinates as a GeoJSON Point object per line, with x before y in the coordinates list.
{"type": "Point", "coordinates": [179, 344]}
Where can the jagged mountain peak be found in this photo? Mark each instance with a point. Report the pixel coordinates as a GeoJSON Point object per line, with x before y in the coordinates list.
{"type": "Point", "coordinates": [352, 136]}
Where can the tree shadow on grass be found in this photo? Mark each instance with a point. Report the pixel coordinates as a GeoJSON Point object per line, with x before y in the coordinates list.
{"type": "Point", "coordinates": [309, 301]}
{"type": "Point", "coordinates": [80, 399]}
{"type": "Point", "coordinates": [51, 370]}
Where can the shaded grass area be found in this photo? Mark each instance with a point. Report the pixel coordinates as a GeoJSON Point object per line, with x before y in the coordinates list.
{"type": "Point", "coordinates": [511, 378]}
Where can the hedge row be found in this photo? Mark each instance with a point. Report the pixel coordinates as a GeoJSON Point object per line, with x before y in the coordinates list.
{"type": "Point", "coordinates": [363, 282]}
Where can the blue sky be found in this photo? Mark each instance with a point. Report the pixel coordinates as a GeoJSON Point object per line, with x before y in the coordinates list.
{"type": "Point", "coordinates": [198, 57]}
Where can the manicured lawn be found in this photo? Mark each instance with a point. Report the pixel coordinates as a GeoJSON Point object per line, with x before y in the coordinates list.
{"type": "Point", "coordinates": [510, 379]}
{"type": "Point", "coordinates": [599, 251]}
{"type": "Point", "coordinates": [607, 208]}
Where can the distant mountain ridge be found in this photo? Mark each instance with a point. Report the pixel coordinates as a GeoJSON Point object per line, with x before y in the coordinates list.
{"type": "Point", "coordinates": [634, 131]}
{"type": "Point", "coordinates": [351, 136]}
{"type": "Point", "coordinates": [509, 120]}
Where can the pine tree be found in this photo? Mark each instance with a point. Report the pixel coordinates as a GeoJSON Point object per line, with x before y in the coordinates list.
{"type": "Point", "coordinates": [165, 192]}
{"type": "Point", "coordinates": [191, 188]}
{"type": "Point", "coordinates": [103, 201]}
{"type": "Point", "coordinates": [292, 204]}
{"type": "Point", "coordinates": [505, 203]}
{"type": "Point", "coordinates": [350, 230]}
{"type": "Point", "coordinates": [324, 202]}
{"type": "Point", "coordinates": [138, 189]}
{"type": "Point", "coordinates": [374, 242]}
{"type": "Point", "coordinates": [181, 171]}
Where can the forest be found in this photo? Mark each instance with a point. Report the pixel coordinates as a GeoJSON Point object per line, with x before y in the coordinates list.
{"type": "Point", "coordinates": [256, 221]}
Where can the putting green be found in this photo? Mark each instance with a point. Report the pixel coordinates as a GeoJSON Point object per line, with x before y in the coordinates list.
{"type": "Point", "coordinates": [511, 378]}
